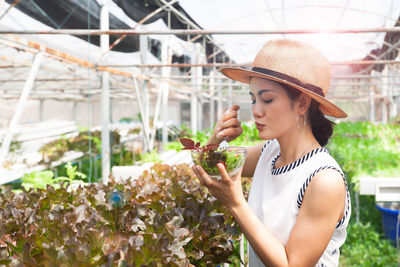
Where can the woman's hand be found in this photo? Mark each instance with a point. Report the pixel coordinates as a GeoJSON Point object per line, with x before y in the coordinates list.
{"type": "Point", "coordinates": [227, 126]}
{"type": "Point", "coordinates": [228, 190]}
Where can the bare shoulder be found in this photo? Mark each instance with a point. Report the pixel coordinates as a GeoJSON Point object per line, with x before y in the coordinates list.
{"type": "Point", "coordinates": [328, 181]}
{"type": "Point", "coordinates": [328, 187]}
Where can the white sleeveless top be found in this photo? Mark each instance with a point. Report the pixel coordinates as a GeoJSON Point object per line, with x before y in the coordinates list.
{"type": "Point", "coordinates": [276, 196]}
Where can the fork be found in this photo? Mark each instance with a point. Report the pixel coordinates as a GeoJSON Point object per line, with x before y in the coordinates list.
{"type": "Point", "coordinates": [223, 145]}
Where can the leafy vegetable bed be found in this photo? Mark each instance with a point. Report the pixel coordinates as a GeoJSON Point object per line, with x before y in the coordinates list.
{"type": "Point", "coordinates": [366, 149]}
{"type": "Point", "coordinates": [163, 218]}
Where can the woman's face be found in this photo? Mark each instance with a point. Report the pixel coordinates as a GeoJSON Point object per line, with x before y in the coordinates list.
{"type": "Point", "coordinates": [273, 111]}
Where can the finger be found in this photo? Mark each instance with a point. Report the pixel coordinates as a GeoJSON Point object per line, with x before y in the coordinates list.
{"type": "Point", "coordinates": [230, 133]}
{"type": "Point", "coordinates": [224, 175]}
{"type": "Point", "coordinates": [229, 114]}
{"type": "Point", "coordinates": [238, 175]}
{"type": "Point", "coordinates": [235, 107]}
{"type": "Point", "coordinates": [197, 174]}
{"type": "Point", "coordinates": [234, 122]}
{"type": "Point", "coordinates": [207, 180]}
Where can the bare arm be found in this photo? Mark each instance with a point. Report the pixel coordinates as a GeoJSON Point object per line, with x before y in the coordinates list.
{"type": "Point", "coordinates": [253, 154]}
{"type": "Point", "coordinates": [322, 208]}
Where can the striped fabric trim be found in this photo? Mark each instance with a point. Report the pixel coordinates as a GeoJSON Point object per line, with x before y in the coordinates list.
{"type": "Point", "coordinates": [293, 165]}
{"type": "Point", "coordinates": [265, 145]}
{"type": "Point", "coordinates": [307, 182]}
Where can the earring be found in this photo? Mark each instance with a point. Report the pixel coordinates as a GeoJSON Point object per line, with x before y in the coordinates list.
{"type": "Point", "coordinates": [304, 121]}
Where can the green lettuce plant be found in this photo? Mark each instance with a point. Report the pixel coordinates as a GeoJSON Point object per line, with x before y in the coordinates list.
{"type": "Point", "coordinates": [40, 179]}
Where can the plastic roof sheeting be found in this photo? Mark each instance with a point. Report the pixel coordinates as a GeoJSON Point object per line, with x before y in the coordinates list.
{"type": "Point", "coordinates": [85, 14]}
{"type": "Point", "coordinates": [295, 14]}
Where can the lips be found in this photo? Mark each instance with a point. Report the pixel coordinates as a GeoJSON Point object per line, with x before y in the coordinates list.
{"type": "Point", "coordinates": [259, 126]}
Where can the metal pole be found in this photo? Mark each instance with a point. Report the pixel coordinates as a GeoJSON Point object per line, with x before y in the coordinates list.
{"type": "Point", "coordinates": [371, 104]}
{"type": "Point", "coordinates": [9, 8]}
{"type": "Point", "coordinates": [105, 98]}
{"type": "Point", "coordinates": [231, 64]}
{"type": "Point", "coordinates": [41, 106]}
{"type": "Point", "coordinates": [230, 87]}
{"type": "Point", "coordinates": [5, 146]}
{"type": "Point", "coordinates": [156, 115]}
{"type": "Point", "coordinates": [212, 102]}
{"type": "Point", "coordinates": [386, 98]}
{"type": "Point", "coordinates": [219, 101]}
{"type": "Point", "coordinates": [87, 32]}
{"type": "Point", "coordinates": [145, 114]}
{"type": "Point", "coordinates": [145, 123]}
{"type": "Point", "coordinates": [189, 23]}
{"type": "Point", "coordinates": [165, 55]}
{"type": "Point", "coordinates": [140, 23]}
{"type": "Point", "coordinates": [74, 110]}
{"type": "Point", "coordinates": [193, 96]}
{"type": "Point", "coordinates": [199, 85]}
{"type": "Point", "coordinates": [143, 41]}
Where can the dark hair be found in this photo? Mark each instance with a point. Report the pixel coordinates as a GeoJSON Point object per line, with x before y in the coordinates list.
{"type": "Point", "coordinates": [322, 128]}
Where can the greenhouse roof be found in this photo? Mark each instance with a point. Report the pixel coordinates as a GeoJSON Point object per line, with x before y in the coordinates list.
{"type": "Point", "coordinates": [72, 63]}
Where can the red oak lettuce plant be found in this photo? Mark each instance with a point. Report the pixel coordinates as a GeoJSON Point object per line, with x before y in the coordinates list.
{"type": "Point", "coordinates": [190, 145]}
{"type": "Point", "coordinates": [164, 218]}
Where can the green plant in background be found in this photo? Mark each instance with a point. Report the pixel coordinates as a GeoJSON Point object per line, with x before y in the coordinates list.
{"type": "Point", "coordinates": [164, 218]}
{"type": "Point", "coordinates": [73, 175]}
{"type": "Point", "coordinates": [366, 149]}
{"type": "Point", "coordinates": [135, 131]}
{"type": "Point", "coordinates": [37, 179]}
{"type": "Point", "coordinates": [89, 144]}
{"type": "Point", "coordinates": [41, 179]}
{"type": "Point", "coordinates": [153, 156]}
{"type": "Point", "coordinates": [365, 247]}
{"type": "Point", "coordinates": [126, 119]}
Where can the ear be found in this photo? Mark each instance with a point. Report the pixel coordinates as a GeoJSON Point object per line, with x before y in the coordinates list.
{"type": "Point", "coordinates": [304, 102]}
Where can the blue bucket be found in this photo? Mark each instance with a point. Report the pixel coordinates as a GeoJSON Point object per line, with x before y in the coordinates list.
{"type": "Point", "coordinates": [389, 221]}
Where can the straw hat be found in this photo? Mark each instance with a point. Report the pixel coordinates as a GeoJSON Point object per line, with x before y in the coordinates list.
{"type": "Point", "coordinates": [296, 64]}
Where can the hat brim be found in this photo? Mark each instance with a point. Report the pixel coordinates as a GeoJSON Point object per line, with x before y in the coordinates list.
{"type": "Point", "coordinates": [244, 76]}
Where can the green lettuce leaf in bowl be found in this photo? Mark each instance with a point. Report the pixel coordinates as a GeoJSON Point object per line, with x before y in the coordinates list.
{"type": "Point", "coordinates": [209, 156]}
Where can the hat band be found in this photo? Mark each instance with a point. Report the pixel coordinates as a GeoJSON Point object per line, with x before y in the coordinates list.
{"type": "Point", "coordinates": [291, 79]}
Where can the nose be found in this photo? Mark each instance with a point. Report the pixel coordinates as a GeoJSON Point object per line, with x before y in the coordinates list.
{"type": "Point", "coordinates": [257, 110]}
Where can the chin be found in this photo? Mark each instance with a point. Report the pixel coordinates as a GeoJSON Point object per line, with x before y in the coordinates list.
{"type": "Point", "coordinates": [264, 136]}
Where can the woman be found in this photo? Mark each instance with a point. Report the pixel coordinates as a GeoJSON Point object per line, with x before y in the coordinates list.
{"type": "Point", "coordinates": [299, 205]}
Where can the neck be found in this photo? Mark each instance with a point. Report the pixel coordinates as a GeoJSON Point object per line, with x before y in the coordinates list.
{"type": "Point", "coordinates": [296, 144]}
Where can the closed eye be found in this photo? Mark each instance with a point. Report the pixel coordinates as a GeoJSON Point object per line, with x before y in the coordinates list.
{"type": "Point", "coordinates": [253, 98]}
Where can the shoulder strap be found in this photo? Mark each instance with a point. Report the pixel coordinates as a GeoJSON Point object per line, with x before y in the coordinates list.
{"type": "Point", "coordinates": [265, 145]}
{"type": "Point", "coordinates": [307, 182]}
